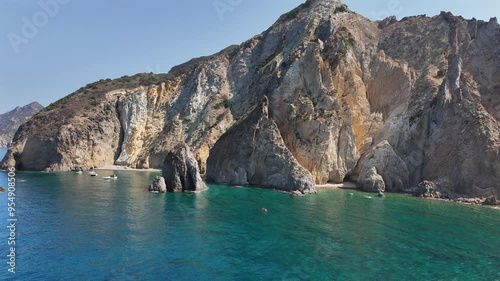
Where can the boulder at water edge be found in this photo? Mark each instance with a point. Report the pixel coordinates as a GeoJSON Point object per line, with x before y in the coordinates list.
{"type": "Point", "coordinates": [181, 171]}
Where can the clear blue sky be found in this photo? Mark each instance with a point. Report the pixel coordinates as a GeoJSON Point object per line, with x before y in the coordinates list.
{"type": "Point", "coordinates": [81, 41]}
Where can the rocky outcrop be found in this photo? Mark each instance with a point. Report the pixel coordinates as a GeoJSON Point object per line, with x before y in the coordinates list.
{"type": "Point", "coordinates": [387, 104]}
{"type": "Point", "coordinates": [12, 120]}
{"type": "Point", "coordinates": [382, 169]}
{"type": "Point", "coordinates": [491, 201]}
{"type": "Point", "coordinates": [381, 193]}
{"type": "Point", "coordinates": [181, 171]}
{"type": "Point", "coordinates": [158, 185]}
{"type": "Point", "coordinates": [371, 181]}
{"type": "Point", "coordinates": [254, 153]}
{"type": "Point", "coordinates": [316, 127]}
{"type": "Point", "coordinates": [428, 189]}
{"type": "Point", "coordinates": [133, 113]}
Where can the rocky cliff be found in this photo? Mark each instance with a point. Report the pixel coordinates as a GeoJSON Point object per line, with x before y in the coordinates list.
{"type": "Point", "coordinates": [389, 103]}
{"type": "Point", "coordinates": [10, 121]}
{"type": "Point", "coordinates": [253, 152]}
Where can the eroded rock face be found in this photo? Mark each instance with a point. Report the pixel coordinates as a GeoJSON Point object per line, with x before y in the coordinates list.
{"type": "Point", "coordinates": [316, 127]}
{"type": "Point", "coordinates": [82, 143]}
{"type": "Point", "coordinates": [254, 153]}
{"type": "Point", "coordinates": [491, 201]}
{"type": "Point", "coordinates": [158, 185]}
{"type": "Point", "coordinates": [387, 104]}
{"type": "Point", "coordinates": [133, 114]}
{"type": "Point", "coordinates": [181, 171]}
{"type": "Point", "coordinates": [428, 189]}
{"type": "Point", "coordinates": [371, 181]}
{"type": "Point", "coordinates": [383, 169]}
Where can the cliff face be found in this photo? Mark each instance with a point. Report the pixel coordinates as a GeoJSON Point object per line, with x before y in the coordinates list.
{"type": "Point", "coordinates": [387, 103]}
{"type": "Point", "coordinates": [10, 121]}
{"type": "Point", "coordinates": [253, 153]}
{"type": "Point", "coordinates": [181, 171]}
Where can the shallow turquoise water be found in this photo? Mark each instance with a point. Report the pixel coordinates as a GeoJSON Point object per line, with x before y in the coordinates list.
{"type": "Point", "coordinates": [75, 227]}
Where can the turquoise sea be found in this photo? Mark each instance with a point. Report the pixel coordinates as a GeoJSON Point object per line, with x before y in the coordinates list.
{"type": "Point", "coordinates": [76, 227]}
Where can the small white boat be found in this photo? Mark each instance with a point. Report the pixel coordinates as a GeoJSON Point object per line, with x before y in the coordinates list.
{"type": "Point", "coordinates": [79, 172]}
{"type": "Point", "coordinates": [93, 174]}
{"type": "Point", "coordinates": [113, 177]}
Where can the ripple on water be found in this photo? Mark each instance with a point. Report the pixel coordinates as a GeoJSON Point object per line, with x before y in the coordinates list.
{"type": "Point", "coordinates": [77, 227]}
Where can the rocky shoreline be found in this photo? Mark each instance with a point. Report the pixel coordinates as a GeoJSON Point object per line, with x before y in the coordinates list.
{"type": "Point", "coordinates": [125, 168]}
{"type": "Point", "coordinates": [470, 201]}
{"type": "Point", "coordinates": [425, 190]}
{"type": "Point", "coordinates": [428, 189]}
{"type": "Point", "coordinates": [324, 95]}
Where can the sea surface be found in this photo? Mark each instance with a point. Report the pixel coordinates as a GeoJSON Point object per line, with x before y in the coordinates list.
{"type": "Point", "coordinates": [77, 227]}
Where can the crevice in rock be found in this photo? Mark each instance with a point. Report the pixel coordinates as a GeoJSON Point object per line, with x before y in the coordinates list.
{"type": "Point", "coordinates": [122, 132]}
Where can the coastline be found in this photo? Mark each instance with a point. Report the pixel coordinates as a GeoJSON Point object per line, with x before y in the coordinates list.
{"type": "Point", "coordinates": [460, 199]}
{"type": "Point", "coordinates": [344, 185]}
{"type": "Point", "coordinates": [475, 201]}
{"type": "Point", "coordinates": [124, 168]}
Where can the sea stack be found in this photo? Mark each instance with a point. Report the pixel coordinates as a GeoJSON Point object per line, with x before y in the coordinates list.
{"type": "Point", "coordinates": [181, 171]}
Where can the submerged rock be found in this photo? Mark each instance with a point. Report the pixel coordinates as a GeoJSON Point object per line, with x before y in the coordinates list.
{"type": "Point", "coordinates": [254, 153]}
{"type": "Point", "coordinates": [381, 193]}
{"type": "Point", "coordinates": [158, 185]}
{"type": "Point", "coordinates": [181, 171]}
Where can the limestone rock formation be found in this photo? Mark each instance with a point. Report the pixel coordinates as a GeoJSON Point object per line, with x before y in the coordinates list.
{"type": "Point", "coordinates": [158, 185]}
{"type": "Point", "coordinates": [12, 120]}
{"type": "Point", "coordinates": [428, 189]}
{"type": "Point", "coordinates": [181, 171]}
{"type": "Point", "coordinates": [254, 153]}
{"type": "Point", "coordinates": [370, 180]}
{"type": "Point", "coordinates": [386, 104]}
{"type": "Point", "coordinates": [382, 169]}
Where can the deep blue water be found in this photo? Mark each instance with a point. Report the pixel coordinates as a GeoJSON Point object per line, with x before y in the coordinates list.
{"type": "Point", "coordinates": [76, 227]}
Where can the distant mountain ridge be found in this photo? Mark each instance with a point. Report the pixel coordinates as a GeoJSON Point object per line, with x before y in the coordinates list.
{"type": "Point", "coordinates": [12, 120]}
